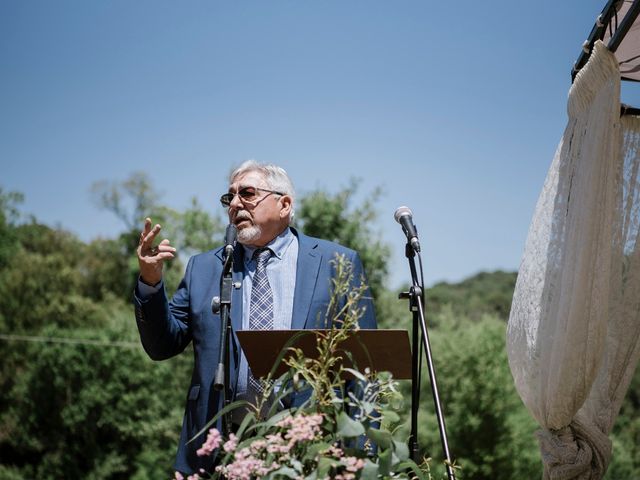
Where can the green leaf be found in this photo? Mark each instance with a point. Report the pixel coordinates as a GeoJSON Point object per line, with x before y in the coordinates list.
{"type": "Point", "coordinates": [410, 464]}
{"type": "Point", "coordinates": [370, 470]}
{"type": "Point", "coordinates": [248, 418]}
{"type": "Point", "coordinates": [275, 403]}
{"type": "Point", "coordinates": [314, 449]}
{"type": "Point", "coordinates": [401, 450]}
{"type": "Point", "coordinates": [390, 416]}
{"type": "Point", "coordinates": [384, 462]}
{"type": "Point", "coordinates": [347, 427]}
{"type": "Point", "coordinates": [297, 465]}
{"type": "Point", "coordinates": [228, 408]}
{"type": "Point", "coordinates": [285, 471]}
{"type": "Point", "coordinates": [382, 438]}
{"type": "Point", "coordinates": [324, 466]}
{"type": "Point", "coordinates": [276, 418]}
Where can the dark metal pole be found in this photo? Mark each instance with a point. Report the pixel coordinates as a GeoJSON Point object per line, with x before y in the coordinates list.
{"type": "Point", "coordinates": [222, 305]}
{"type": "Point", "coordinates": [415, 370]}
{"type": "Point", "coordinates": [434, 390]}
{"type": "Point", "coordinates": [597, 33]}
{"type": "Point", "coordinates": [624, 26]}
{"type": "Point", "coordinates": [415, 295]}
{"type": "Point", "coordinates": [415, 392]}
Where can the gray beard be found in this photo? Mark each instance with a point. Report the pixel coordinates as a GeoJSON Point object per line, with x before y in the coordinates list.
{"type": "Point", "coordinates": [249, 234]}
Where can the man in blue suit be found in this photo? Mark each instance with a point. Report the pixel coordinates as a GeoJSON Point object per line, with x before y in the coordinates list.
{"type": "Point", "coordinates": [283, 279]}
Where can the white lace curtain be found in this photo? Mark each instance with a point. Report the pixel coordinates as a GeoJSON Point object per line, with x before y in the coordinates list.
{"type": "Point", "coordinates": [574, 332]}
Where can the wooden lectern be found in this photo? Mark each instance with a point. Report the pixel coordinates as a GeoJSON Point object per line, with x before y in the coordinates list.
{"type": "Point", "coordinates": [379, 350]}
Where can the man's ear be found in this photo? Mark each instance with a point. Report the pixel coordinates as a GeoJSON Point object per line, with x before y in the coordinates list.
{"type": "Point", "coordinates": [286, 205]}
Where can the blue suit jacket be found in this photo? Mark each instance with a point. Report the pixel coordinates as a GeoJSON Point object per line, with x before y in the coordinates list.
{"type": "Point", "coordinates": [167, 327]}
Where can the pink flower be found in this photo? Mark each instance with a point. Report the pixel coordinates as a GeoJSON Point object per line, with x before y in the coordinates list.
{"type": "Point", "coordinates": [178, 476]}
{"type": "Point", "coordinates": [257, 445]}
{"type": "Point", "coordinates": [345, 476]}
{"type": "Point", "coordinates": [301, 427]}
{"type": "Point", "coordinates": [245, 467]}
{"type": "Point", "coordinates": [214, 439]}
{"type": "Point", "coordinates": [353, 464]}
{"type": "Point", "coordinates": [231, 444]}
{"type": "Point", "coordinates": [335, 451]}
{"type": "Point", "coordinates": [247, 463]}
{"type": "Point", "coordinates": [276, 444]}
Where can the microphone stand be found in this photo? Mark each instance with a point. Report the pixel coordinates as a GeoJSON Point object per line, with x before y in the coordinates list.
{"type": "Point", "coordinates": [415, 295]}
{"type": "Point", "coordinates": [222, 305]}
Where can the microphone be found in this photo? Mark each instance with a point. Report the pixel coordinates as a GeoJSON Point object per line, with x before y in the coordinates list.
{"type": "Point", "coordinates": [404, 217]}
{"type": "Point", "coordinates": [230, 240]}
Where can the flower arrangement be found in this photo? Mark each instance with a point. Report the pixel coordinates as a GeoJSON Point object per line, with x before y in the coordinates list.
{"type": "Point", "coordinates": [343, 431]}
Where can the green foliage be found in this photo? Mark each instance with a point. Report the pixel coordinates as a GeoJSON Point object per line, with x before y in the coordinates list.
{"type": "Point", "coordinates": [107, 412]}
{"type": "Point", "coordinates": [70, 410]}
{"type": "Point", "coordinates": [132, 200]}
{"type": "Point", "coordinates": [110, 268]}
{"type": "Point", "coordinates": [9, 214]}
{"type": "Point", "coordinates": [484, 293]}
{"type": "Point", "coordinates": [626, 435]}
{"type": "Point", "coordinates": [392, 312]}
{"type": "Point", "coordinates": [198, 231]}
{"type": "Point", "coordinates": [87, 410]}
{"type": "Point", "coordinates": [333, 217]}
{"type": "Point", "coordinates": [42, 283]}
{"type": "Point", "coordinates": [490, 432]}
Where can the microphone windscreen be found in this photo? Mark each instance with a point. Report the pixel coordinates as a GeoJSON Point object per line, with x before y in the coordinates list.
{"type": "Point", "coordinates": [231, 234]}
{"type": "Point", "coordinates": [401, 212]}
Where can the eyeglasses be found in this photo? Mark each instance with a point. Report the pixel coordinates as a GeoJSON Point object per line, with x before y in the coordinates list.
{"type": "Point", "coordinates": [247, 195]}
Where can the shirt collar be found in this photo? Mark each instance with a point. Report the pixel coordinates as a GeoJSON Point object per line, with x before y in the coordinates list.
{"type": "Point", "coordinates": [278, 245]}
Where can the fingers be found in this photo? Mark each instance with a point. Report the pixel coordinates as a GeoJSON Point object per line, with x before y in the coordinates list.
{"type": "Point", "coordinates": [149, 234]}
{"type": "Point", "coordinates": [145, 246]}
{"type": "Point", "coordinates": [145, 230]}
{"type": "Point", "coordinates": [164, 250]}
{"type": "Point", "coordinates": [150, 258]}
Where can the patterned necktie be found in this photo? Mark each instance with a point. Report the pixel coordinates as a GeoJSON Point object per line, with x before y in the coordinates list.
{"type": "Point", "coordinates": [261, 307]}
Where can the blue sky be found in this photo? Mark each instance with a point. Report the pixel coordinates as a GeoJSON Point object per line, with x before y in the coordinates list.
{"type": "Point", "coordinates": [453, 108]}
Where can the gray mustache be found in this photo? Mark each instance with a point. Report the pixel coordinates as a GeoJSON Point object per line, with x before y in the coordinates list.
{"type": "Point", "coordinates": [242, 215]}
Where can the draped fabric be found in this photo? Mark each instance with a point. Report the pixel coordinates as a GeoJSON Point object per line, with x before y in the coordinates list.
{"type": "Point", "coordinates": [574, 329]}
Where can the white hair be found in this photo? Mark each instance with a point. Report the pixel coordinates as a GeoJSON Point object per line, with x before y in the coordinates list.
{"type": "Point", "coordinates": [275, 177]}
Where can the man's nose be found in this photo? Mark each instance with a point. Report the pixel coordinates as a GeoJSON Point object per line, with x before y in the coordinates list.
{"type": "Point", "coordinates": [235, 202]}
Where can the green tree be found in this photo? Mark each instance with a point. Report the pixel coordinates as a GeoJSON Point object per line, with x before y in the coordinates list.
{"type": "Point", "coordinates": [72, 410]}
{"type": "Point", "coordinates": [626, 435]}
{"type": "Point", "coordinates": [489, 430]}
{"type": "Point", "coordinates": [87, 410]}
{"type": "Point", "coordinates": [484, 293]}
{"type": "Point", "coordinates": [9, 214]}
{"type": "Point", "coordinates": [334, 217]}
{"type": "Point", "coordinates": [132, 200]}
{"type": "Point", "coordinates": [110, 269]}
{"type": "Point", "coordinates": [42, 284]}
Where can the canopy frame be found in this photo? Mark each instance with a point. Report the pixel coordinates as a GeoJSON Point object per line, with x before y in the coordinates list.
{"type": "Point", "coordinates": [608, 22]}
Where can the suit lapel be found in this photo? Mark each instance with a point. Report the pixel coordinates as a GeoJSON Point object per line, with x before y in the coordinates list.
{"type": "Point", "coordinates": [309, 259]}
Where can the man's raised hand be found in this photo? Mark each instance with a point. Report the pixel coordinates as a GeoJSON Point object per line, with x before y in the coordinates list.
{"type": "Point", "coordinates": [150, 258]}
